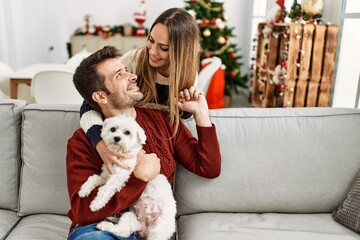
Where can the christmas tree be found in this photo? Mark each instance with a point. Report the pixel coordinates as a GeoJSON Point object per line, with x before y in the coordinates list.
{"type": "Point", "coordinates": [215, 37]}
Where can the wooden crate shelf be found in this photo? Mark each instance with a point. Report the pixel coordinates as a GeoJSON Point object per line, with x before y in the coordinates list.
{"type": "Point", "coordinates": [306, 54]}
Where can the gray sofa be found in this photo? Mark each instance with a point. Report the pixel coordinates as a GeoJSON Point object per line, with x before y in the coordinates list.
{"type": "Point", "coordinates": [283, 172]}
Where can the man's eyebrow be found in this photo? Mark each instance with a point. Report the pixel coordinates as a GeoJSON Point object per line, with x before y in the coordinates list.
{"type": "Point", "coordinates": [118, 71]}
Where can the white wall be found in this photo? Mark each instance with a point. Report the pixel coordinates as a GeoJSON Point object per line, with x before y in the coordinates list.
{"type": "Point", "coordinates": [33, 27]}
{"type": "Point", "coordinates": [29, 29]}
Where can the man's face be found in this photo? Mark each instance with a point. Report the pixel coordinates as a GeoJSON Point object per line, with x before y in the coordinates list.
{"type": "Point", "coordinates": [122, 85]}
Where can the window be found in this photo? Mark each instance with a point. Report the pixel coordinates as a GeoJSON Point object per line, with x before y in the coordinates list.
{"type": "Point", "coordinates": [346, 88]}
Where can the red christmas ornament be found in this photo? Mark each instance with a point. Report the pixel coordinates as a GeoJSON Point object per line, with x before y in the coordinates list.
{"type": "Point", "coordinates": [233, 74]}
{"type": "Point", "coordinates": [212, 22]}
{"type": "Point", "coordinates": [281, 86]}
{"type": "Point", "coordinates": [207, 54]}
{"type": "Point", "coordinates": [204, 22]}
{"type": "Point", "coordinates": [232, 55]}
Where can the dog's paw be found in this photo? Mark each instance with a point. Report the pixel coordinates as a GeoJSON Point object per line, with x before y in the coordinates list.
{"type": "Point", "coordinates": [110, 227]}
{"type": "Point", "coordinates": [96, 205]}
{"type": "Point", "coordinates": [122, 232]}
{"type": "Point", "coordinates": [105, 226]}
{"type": "Point", "coordinates": [83, 192]}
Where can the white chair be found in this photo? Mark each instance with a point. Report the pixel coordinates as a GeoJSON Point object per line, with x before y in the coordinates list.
{"type": "Point", "coordinates": [55, 87]}
{"type": "Point", "coordinates": [5, 72]}
{"type": "Point", "coordinates": [75, 60]}
{"type": "Point", "coordinates": [23, 89]}
{"type": "Point", "coordinates": [206, 74]}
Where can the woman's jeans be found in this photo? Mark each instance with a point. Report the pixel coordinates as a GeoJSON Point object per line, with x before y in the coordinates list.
{"type": "Point", "coordinates": [90, 232]}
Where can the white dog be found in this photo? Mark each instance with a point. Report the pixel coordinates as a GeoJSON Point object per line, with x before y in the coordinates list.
{"type": "Point", "coordinates": [153, 215]}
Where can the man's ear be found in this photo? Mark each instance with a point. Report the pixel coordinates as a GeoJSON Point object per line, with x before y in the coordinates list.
{"type": "Point", "coordinates": [100, 97]}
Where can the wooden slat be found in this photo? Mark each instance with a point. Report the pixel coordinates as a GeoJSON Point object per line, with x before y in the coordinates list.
{"type": "Point", "coordinates": [289, 93]}
{"type": "Point", "coordinates": [255, 95]}
{"type": "Point", "coordinates": [306, 50]}
{"type": "Point", "coordinates": [311, 84]}
{"type": "Point", "coordinates": [271, 64]}
{"type": "Point", "coordinates": [269, 100]}
{"type": "Point", "coordinates": [273, 51]}
{"type": "Point", "coordinates": [294, 45]}
{"type": "Point", "coordinates": [316, 65]}
{"type": "Point", "coordinates": [328, 69]}
{"type": "Point", "coordinates": [282, 46]}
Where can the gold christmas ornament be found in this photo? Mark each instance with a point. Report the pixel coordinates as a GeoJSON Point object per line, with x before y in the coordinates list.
{"type": "Point", "coordinates": [221, 40]}
{"type": "Point", "coordinates": [206, 33]}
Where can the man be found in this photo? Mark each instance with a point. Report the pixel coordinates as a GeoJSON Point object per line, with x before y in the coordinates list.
{"type": "Point", "coordinates": [106, 85]}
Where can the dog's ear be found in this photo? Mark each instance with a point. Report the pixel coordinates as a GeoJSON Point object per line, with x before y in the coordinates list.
{"type": "Point", "coordinates": [141, 135]}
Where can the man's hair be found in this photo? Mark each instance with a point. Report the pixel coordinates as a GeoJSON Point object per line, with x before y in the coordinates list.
{"type": "Point", "coordinates": [87, 80]}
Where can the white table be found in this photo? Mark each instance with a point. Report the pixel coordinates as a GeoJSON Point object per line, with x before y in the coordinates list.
{"type": "Point", "coordinates": [25, 75]}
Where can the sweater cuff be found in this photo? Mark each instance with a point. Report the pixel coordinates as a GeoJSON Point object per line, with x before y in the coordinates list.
{"type": "Point", "coordinates": [206, 132]}
{"type": "Point", "coordinates": [94, 134]}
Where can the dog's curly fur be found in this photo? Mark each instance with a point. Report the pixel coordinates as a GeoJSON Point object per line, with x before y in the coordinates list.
{"type": "Point", "coordinates": [153, 215]}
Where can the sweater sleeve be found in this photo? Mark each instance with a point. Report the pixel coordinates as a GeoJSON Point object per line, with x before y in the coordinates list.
{"type": "Point", "coordinates": [201, 156]}
{"type": "Point", "coordinates": [130, 59]}
{"type": "Point", "coordinates": [91, 122]}
{"type": "Point", "coordinates": [82, 161]}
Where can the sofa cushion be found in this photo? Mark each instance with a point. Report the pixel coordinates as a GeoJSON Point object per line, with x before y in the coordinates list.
{"type": "Point", "coordinates": [41, 226]}
{"type": "Point", "coordinates": [296, 160]}
{"type": "Point", "coordinates": [235, 226]}
{"type": "Point", "coordinates": [10, 122]}
{"type": "Point", "coordinates": [45, 131]}
{"type": "Point", "coordinates": [348, 214]}
{"type": "Point", "coordinates": [8, 220]}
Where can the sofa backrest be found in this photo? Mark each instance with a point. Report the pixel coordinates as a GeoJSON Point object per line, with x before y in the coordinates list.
{"type": "Point", "coordinates": [45, 131]}
{"type": "Point", "coordinates": [10, 122]}
{"type": "Point", "coordinates": [297, 160]}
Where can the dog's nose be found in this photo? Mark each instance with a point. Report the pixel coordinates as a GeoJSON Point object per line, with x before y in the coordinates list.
{"type": "Point", "coordinates": [117, 139]}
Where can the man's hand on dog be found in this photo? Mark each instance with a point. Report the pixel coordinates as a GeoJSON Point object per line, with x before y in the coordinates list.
{"type": "Point", "coordinates": [109, 157]}
{"type": "Point", "coordinates": [147, 167]}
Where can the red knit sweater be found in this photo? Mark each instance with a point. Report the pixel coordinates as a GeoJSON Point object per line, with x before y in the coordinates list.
{"type": "Point", "coordinates": [201, 157]}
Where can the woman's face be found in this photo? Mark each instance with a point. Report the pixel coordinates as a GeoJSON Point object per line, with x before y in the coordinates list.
{"type": "Point", "coordinates": [158, 45]}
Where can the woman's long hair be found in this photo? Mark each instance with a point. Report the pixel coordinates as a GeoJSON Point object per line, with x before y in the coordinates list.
{"type": "Point", "coordinates": [184, 57]}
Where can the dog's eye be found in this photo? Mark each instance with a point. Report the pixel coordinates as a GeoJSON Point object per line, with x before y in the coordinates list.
{"type": "Point", "coordinates": [127, 132]}
{"type": "Point", "coordinates": [113, 129]}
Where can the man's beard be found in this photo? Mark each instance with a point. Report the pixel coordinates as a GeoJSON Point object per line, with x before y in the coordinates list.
{"type": "Point", "coordinates": [129, 101]}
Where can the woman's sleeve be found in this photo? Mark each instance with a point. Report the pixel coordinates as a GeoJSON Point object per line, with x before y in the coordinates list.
{"type": "Point", "coordinates": [201, 156]}
{"type": "Point", "coordinates": [130, 59]}
{"type": "Point", "coordinates": [91, 122]}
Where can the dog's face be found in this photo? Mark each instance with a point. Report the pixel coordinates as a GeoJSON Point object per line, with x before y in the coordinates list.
{"type": "Point", "coordinates": [121, 133]}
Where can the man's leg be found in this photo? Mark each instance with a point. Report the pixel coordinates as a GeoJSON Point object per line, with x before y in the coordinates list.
{"type": "Point", "coordinates": [90, 232]}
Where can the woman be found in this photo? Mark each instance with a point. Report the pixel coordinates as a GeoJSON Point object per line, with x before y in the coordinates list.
{"type": "Point", "coordinates": [167, 65]}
